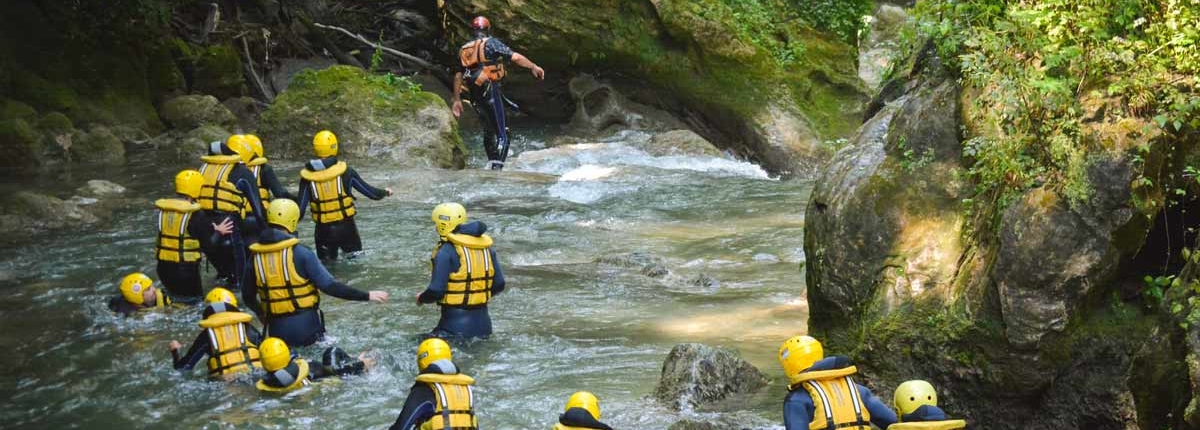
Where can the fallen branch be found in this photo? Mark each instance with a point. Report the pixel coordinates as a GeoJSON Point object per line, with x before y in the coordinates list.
{"type": "Point", "coordinates": [410, 58]}
{"type": "Point", "coordinates": [267, 94]}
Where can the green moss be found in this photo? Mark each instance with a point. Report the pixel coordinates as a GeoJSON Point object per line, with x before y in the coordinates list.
{"type": "Point", "coordinates": [55, 124]}
{"type": "Point", "coordinates": [218, 71]}
{"type": "Point", "coordinates": [20, 144]}
{"type": "Point", "coordinates": [10, 109]}
{"type": "Point", "coordinates": [43, 94]}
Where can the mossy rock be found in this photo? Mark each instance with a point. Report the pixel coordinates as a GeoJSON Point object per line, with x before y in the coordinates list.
{"type": "Point", "coordinates": [97, 145]}
{"type": "Point", "coordinates": [373, 116]}
{"type": "Point", "coordinates": [55, 124]}
{"type": "Point", "coordinates": [191, 111]}
{"type": "Point", "coordinates": [218, 71]}
{"type": "Point", "coordinates": [195, 142]}
{"type": "Point", "coordinates": [20, 145]}
{"type": "Point", "coordinates": [42, 94]}
{"type": "Point", "coordinates": [12, 109]}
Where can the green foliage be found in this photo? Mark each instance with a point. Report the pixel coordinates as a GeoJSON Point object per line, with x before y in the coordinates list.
{"type": "Point", "coordinates": [841, 17]}
{"type": "Point", "coordinates": [1028, 65]}
{"type": "Point", "coordinates": [763, 22]}
{"type": "Point", "coordinates": [377, 55]}
{"type": "Point", "coordinates": [910, 161]}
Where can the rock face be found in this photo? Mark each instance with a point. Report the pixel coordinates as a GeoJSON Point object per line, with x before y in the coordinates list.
{"type": "Point", "coordinates": [699, 376]}
{"type": "Point", "coordinates": [97, 145]}
{"type": "Point", "coordinates": [372, 117]}
{"type": "Point", "coordinates": [20, 145]}
{"type": "Point", "coordinates": [697, 61]}
{"type": "Point", "coordinates": [26, 213]}
{"type": "Point", "coordinates": [601, 110]}
{"type": "Point", "coordinates": [876, 51]}
{"type": "Point", "coordinates": [191, 111]}
{"type": "Point", "coordinates": [1017, 327]}
{"type": "Point", "coordinates": [680, 142]}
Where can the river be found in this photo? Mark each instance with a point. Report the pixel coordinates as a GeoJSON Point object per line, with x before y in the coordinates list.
{"type": "Point", "coordinates": [730, 235]}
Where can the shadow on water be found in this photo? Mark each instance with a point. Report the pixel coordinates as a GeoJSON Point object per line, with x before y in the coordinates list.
{"type": "Point", "coordinates": [729, 237]}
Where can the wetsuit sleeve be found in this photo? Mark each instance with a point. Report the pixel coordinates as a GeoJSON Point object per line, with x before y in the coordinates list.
{"type": "Point", "coordinates": [311, 268]}
{"type": "Point", "coordinates": [797, 410]}
{"type": "Point", "coordinates": [250, 190]}
{"type": "Point", "coordinates": [303, 196]}
{"type": "Point", "coordinates": [881, 415]}
{"type": "Point", "coordinates": [250, 289]}
{"type": "Point", "coordinates": [444, 264]}
{"type": "Point", "coordinates": [200, 348]}
{"type": "Point", "coordinates": [253, 334]}
{"type": "Point", "coordinates": [362, 186]}
{"type": "Point", "coordinates": [498, 278]}
{"type": "Point", "coordinates": [418, 408]}
{"type": "Point", "coordinates": [496, 49]}
{"type": "Point", "coordinates": [272, 182]}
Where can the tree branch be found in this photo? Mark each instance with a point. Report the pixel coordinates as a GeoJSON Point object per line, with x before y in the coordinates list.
{"type": "Point", "coordinates": [407, 57]}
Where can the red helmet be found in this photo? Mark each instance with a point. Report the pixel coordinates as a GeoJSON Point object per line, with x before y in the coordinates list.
{"type": "Point", "coordinates": [480, 23]}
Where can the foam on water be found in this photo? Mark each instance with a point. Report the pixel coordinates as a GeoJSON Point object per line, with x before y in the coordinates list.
{"type": "Point", "coordinates": [567, 160]}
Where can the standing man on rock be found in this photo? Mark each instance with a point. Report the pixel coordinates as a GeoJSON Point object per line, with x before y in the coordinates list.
{"type": "Point", "coordinates": [483, 68]}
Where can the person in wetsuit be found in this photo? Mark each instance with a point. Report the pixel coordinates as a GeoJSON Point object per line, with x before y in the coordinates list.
{"type": "Point", "coordinates": [482, 60]}
{"type": "Point", "coordinates": [917, 406]}
{"type": "Point", "coordinates": [286, 374]}
{"type": "Point", "coordinates": [137, 293]}
{"type": "Point", "coordinates": [182, 230]}
{"type": "Point", "coordinates": [227, 338]}
{"type": "Point", "coordinates": [325, 185]}
{"type": "Point", "coordinates": [230, 192]}
{"type": "Point", "coordinates": [465, 275]}
{"type": "Point", "coordinates": [821, 393]}
{"type": "Point", "coordinates": [289, 280]}
{"type": "Point", "coordinates": [582, 412]}
{"type": "Point", "coordinates": [269, 187]}
{"type": "Point", "coordinates": [441, 398]}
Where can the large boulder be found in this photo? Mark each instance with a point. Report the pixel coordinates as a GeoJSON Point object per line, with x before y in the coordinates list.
{"type": "Point", "coordinates": [680, 142]}
{"type": "Point", "coordinates": [191, 111]}
{"type": "Point", "coordinates": [601, 110]}
{"type": "Point", "coordinates": [700, 376]}
{"type": "Point", "coordinates": [97, 188]}
{"type": "Point", "coordinates": [97, 145]}
{"type": "Point", "coordinates": [25, 213]}
{"type": "Point", "coordinates": [247, 110]}
{"type": "Point", "coordinates": [772, 94]}
{"type": "Point", "coordinates": [880, 47]}
{"type": "Point", "coordinates": [380, 117]}
{"type": "Point", "coordinates": [20, 145]}
{"type": "Point", "coordinates": [195, 141]}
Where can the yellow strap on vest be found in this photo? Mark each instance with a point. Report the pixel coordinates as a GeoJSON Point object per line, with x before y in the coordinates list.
{"type": "Point", "coordinates": [272, 247]}
{"type": "Point", "coordinates": [471, 284]}
{"type": "Point", "coordinates": [231, 352]}
{"type": "Point", "coordinates": [282, 290]}
{"type": "Point", "coordinates": [331, 172]}
{"type": "Point", "coordinates": [221, 159]}
{"type": "Point", "coordinates": [930, 425]}
{"type": "Point", "coordinates": [218, 193]}
{"type": "Point", "coordinates": [177, 205]}
{"type": "Point", "coordinates": [560, 426]}
{"type": "Point", "coordinates": [301, 380]}
{"type": "Point", "coordinates": [330, 200]}
{"type": "Point", "coordinates": [825, 374]}
{"type": "Point", "coordinates": [256, 162]}
{"type": "Point", "coordinates": [454, 402]}
{"type": "Point", "coordinates": [477, 242]}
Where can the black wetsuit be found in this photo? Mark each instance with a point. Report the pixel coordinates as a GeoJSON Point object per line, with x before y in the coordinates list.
{"type": "Point", "coordinates": [488, 102]}
{"type": "Point", "coordinates": [335, 362]}
{"type": "Point", "coordinates": [925, 413]}
{"type": "Point", "coordinates": [119, 305]}
{"type": "Point", "coordinates": [271, 183]}
{"type": "Point", "coordinates": [343, 234]}
{"type": "Point", "coordinates": [202, 346]}
{"type": "Point", "coordinates": [230, 256]}
{"type": "Point", "coordinates": [579, 417]}
{"type": "Point", "coordinates": [180, 279]}
{"type": "Point", "coordinates": [306, 326]}
{"type": "Point", "coordinates": [421, 403]}
{"type": "Point", "coordinates": [460, 321]}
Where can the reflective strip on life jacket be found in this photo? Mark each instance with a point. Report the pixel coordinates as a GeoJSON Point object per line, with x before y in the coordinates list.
{"type": "Point", "coordinates": [471, 285]}
{"type": "Point", "coordinates": [834, 406]}
{"type": "Point", "coordinates": [174, 244]}
{"type": "Point", "coordinates": [263, 193]}
{"type": "Point", "coordinates": [232, 351]}
{"type": "Point", "coordinates": [218, 194]}
{"type": "Point", "coordinates": [451, 413]}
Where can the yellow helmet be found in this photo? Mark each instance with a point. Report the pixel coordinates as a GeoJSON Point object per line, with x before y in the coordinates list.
{"type": "Point", "coordinates": [241, 145]}
{"type": "Point", "coordinates": [325, 144]}
{"type": "Point", "coordinates": [218, 295]}
{"type": "Point", "coordinates": [448, 216]}
{"type": "Point", "coordinates": [255, 144]}
{"type": "Point", "coordinates": [585, 400]}
{"type": "Point", "coordinates": [133, 287]}
{"type": "Point", "coordinates": [912, 395]}
{"type": "Point", "coordinates": [275, 354]}
{"type": "Point", "coordinates": [284, 213]}
{"type": "Point", "coordinates": [431, 350]}
{"type": "Point", "coordinates": [188, 183]}
{"type": "Point", "coordinates": [798, 354]}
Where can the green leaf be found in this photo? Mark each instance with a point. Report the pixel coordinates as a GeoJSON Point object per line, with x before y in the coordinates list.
{"type": "Point", "coordinates": [1161, 120]}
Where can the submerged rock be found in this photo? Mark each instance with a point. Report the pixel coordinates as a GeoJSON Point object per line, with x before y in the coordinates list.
{"type": "Point", "coordinates": [649, 264]}
{"type": "Point", "coordinates": [25, 213]}
{"type": "Point", "coordinates": [373, 116]}
{"type": "Point", "coordinates": [100, 188]}
{"type": "Point", "coordinates": [699, 376]}
{"type": "Point", "coordinates": [191, 111]}
{"type": "Point", "coordinates": [680, 142]}
{"type": "Point", "coordinates": [724, 421]}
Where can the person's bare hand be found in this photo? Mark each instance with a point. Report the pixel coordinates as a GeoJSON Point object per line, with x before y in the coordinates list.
{"type": "Point", "coordinates": [174, 345]}
{"type": "Point", "coordinates": [389, 191]}
{"type": "Point", "coordinates": [456, 108]}
{"type": "Point", "coordinates": [378, 296]}
{"type": "Point", "coordinates": [367, 361]}
{"type": "Point", "coordinates": [419, 298]}
{"type": "Point", "coordinates": [538, 72]}
{"type": "Point", "coordinates": [225, 227]}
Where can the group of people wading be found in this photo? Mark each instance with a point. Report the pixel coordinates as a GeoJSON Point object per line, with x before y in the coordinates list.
{"type": "Point", "coordinates": [234, 212]}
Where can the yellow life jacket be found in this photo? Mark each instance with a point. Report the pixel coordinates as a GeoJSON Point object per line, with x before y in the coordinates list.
{"type": "Point", "coordinates": [930, 425]}
{"type": "Point", "coordinates": [454, 401]}
{"type": "Point", "coordinates": [217, 193]}
{"type": "Point", "coordinates": [298, 381]}
{"type": "Point", "coordinates": [174, 243]}
{"type": "Point", "coordinates": [560, 426]}
{"type": "Point", "coordinates": [255, 166]}
{"type": "Point", "coordinates": [837, 404]}
{"type": "Point", "coordinates": [473, 55]}
{"type": "Point", "coordinates": [281, 290]}
{"type": "Point", "coordinates": [160, 300]}
{"type": "Point", "coordinates": [330, 202]}
{"type": "Point", "coordinates": [232, 352]}
{"type": "Point", "coordinates": [471, 285]}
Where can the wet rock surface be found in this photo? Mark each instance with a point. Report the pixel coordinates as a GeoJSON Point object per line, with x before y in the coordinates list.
{"type": "Point", "coordinates": [700, 376]}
